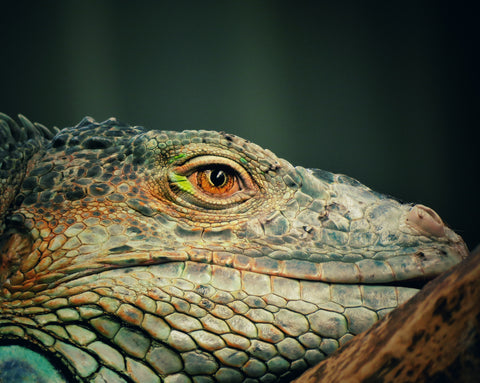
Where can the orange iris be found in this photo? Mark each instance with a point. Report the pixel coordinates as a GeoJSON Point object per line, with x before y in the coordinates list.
{"type": "Point", "coordinates": [216, 181]}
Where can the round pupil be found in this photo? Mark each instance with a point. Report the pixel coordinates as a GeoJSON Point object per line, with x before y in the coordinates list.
{"type": "Point", "coordinates": [218, 177]}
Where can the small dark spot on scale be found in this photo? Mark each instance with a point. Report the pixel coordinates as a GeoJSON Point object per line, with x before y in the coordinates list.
{"type": "Point", "coordinates": [274, 167]}
{"type": "Point", "coordinates": [308, 229]}
{"type": "Point", "coordinates": [420, 254]}
{"type": "Point", "coordinates": [323, 216]}
{"type": "Point", "coordinates": [204, 302]}
{"type": "Point", "coordinates": [134, 230]}
{"type": "Point", "coordinates": [392, 237]}
{"type": "Point", "coordinates": [121, 249]}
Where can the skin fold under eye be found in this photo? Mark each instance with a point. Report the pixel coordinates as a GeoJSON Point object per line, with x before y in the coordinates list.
{"type": "Point", "coordinates": [213, 182]}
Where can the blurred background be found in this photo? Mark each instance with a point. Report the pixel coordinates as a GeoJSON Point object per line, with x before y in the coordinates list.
{"type": "Point", "coordinates": [385, 92]}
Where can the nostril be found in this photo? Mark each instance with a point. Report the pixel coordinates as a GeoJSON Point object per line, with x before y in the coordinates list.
{"type": "Point", "coordinates": [425, 220]}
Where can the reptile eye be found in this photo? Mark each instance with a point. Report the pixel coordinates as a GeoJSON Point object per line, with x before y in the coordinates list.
{"type": "Point", "coordinates": [212, 182]}
{"type": "Point", "coordinates": [217, 177]}
{"type": "Point", "coordinates": [217, 180]}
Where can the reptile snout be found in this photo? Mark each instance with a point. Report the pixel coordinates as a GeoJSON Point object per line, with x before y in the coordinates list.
{"type": "Point", "coordinates": [426, 221]}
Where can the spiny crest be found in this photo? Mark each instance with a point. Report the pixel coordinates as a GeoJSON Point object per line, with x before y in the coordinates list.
{"type": "Point", "coordinates": [13, 133]}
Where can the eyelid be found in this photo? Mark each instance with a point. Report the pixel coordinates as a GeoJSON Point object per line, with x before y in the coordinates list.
{"type": "Point", "coordinates": [197, 163]}
{"type": "Point", "coordinates": [181, 178]}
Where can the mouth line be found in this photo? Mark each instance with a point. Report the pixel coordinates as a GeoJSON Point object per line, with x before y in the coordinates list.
{"type": "Point", "coordinates": [157, 258]}
{"type": "Point", "coordinates": [415, 283]}
{"type": "Point", "coordinates": [301, 270]}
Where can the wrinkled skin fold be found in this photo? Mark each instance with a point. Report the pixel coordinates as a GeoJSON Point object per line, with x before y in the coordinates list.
{"type": "Point", "coordinates": [132, 254]}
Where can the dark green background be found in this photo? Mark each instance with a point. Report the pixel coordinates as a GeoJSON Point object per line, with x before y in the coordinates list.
{"type": "Point", "coordinates": [386, 93]}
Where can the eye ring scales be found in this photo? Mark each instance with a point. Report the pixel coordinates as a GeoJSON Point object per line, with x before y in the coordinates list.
{"type": "Point", "coordinates": [212, 182]}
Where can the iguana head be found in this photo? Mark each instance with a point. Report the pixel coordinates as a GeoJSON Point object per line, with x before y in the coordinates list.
{"type": "Point", "coordinates": [209, 253]}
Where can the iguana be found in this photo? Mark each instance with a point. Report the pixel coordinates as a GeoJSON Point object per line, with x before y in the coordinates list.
{"type": "Point", "coordinates": [139, 255]}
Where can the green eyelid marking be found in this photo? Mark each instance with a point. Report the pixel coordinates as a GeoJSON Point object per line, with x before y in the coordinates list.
{"type": "Point", "coordinates": [243, 160]}
{"type": "Point", "coordinates": [177, 157]}
{"type": "Point", "coordinates": [181, 182]}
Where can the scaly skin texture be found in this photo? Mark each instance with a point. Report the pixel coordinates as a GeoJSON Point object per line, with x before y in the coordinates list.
{"type": "Point", "coordinates": [432, 338]}
{"type": "Point", "coordinates": [140, 255]}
